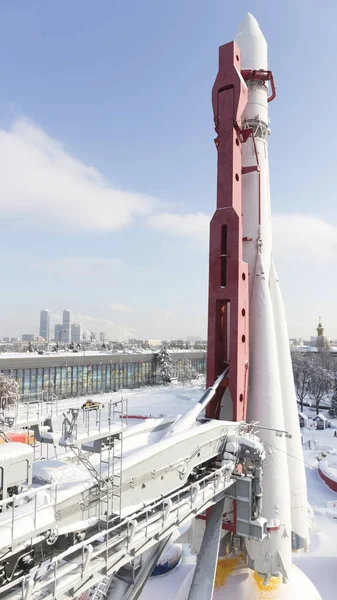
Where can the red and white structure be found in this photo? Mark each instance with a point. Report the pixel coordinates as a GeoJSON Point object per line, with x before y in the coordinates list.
{"type": "Point", "coordinates": [247, 329]}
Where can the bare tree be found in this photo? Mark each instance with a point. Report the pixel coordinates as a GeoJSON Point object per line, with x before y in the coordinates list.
{"type": "Point", "coordinates": [302, 369]}
{"type": "Point", "coordinates": [321, 379]}
{"type": "Point", "coordinates": [185, 371]}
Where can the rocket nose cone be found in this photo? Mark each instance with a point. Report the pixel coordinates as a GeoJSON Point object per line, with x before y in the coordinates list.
{"type": "Point", "coordinates": [249, 25]}
{"type": "Point", "coordinates": [252, 44]}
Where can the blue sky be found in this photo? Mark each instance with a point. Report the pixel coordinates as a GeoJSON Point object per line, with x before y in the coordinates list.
{"type": "Point", "coordinates": [106, 124]}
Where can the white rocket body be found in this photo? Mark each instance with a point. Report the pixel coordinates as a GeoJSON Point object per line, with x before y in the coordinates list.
{"type": "Point", "coordinates": [271, 396]}
{"type": "Point", "coordinates": [298, 484]}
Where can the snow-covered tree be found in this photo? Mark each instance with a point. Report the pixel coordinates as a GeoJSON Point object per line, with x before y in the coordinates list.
{"type": "Point", "coordinates": [9, 390]}
{"type": "Point", "coordinates": [164, 366]}
{"type": "Point", "coordinates": [333, 406]}
{"type": "Point", "coordinates": [185, 371]}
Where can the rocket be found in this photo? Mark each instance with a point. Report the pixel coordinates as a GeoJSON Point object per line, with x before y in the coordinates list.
{"type": "Point", "coordinates": [247, 331]}
{"type": "Point", "coordinates": [271, 392]}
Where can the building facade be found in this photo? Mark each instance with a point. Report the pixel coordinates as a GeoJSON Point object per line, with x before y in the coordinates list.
{"type": "Point", "coordinates": [76, 333]}
{"type": "Point", "coordinates": [75, 374]}
{"type": "Point", "coordinates": [44, 324]}
{"type": "Point", "coordinates": [58, 332]}
{"type": "Point", "coordinates": [28, 337]}
{"type": "Point", "coordinates": [66, 332]}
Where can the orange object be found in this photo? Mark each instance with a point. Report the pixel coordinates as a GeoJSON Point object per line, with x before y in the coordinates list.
{"type": "Point", "coordinates": [25, 436]}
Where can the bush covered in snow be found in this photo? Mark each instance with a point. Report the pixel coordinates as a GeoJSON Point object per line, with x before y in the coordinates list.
{"type": "Point", "coordinates": [9, 390]}
{"type": "Point", "coordinates": [164, 366]}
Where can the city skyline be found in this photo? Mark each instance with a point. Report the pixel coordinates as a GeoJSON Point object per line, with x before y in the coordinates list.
{"type": "Point", "coordinates": [72, 331]}
{"type": "Point", "coordinates": [87, 190]}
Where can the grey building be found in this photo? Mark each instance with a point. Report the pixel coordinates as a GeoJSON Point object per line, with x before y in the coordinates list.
{"type": "Point", "coordinates": [44, 324]}
{"type": "Point", "coordinates": [58, 332]}
{"type": "Point", "coordinates": [28, 337]}
{"type": "Point", "coordinates": [76, 333]}
{"type": "Point", "coordinates": [66, 332]}
{"type": "Point", "coordinates": [68, 374]}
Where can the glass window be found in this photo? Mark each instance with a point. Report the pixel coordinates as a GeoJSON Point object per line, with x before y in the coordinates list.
{"type": "Point", "coordinates": [107, 377]}
{"type": "Point", "coordinates": [39, 381]}
{"type": "Point", "coordinates": [85, 380]}
{"type": "Point", "coordinates": [100, 378]}
{"type": "Point", "coordinates": [45, 380]}
{"type": "Point", "coordinates": [94, 379]}
{"type": "Point", "coordinates": [69, 374]}
{"type": "Point", "coordinates": [89, 379]}
{"type": "Point", "coordinates": [74, 382]}
{"type": "Point", "coordinates": [52, 380]}
{"type": "Point", "coordinates": [131, 375]}
{"type": "Point", "coordinates": [26, 382]}
{"type": "Point", "coordinates": [63, 381]}
{"type": "Point", "coordinates": [79, 381]}
{"type": "Point", "coordinates": [113, 377]}
{"type": "Point", "coordinates": [19, 379]}
{"type": "Point", "coordinates": [33, 389]}
{"type": "Point", "coordinates": [58, 374]}
{"type": "Point", "coordinates": [123, 377]}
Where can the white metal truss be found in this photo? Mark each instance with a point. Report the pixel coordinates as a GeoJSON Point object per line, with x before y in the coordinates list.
{"type": "Point", "coordinates": [85, 564]}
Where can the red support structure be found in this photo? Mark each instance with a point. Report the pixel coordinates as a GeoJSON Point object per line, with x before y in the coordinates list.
{"type": "Point", "coordinates": [228, 311]}
{"type": "Point", "coordinates": [261, 75]}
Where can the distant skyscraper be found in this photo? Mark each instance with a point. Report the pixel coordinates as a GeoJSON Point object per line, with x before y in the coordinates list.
{"type": "Point", "coordinates": [58, 332]}
{"type": "Point", "coordinates": [44, 324]}
{"type": "Point", "coordinates": [102, 336]}
{"type": "Point", "coordinates": [76, 333]}
{"type": "Point", "coordinates": [66, 332]}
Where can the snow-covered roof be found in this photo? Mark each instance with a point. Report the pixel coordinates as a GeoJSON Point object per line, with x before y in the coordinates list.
{"type": "Point", "coordinates": [320, 416]}
{"type": "Point", "coordinates": [12, 450]}
{"type": "Point", "coordinates": [304, 416]}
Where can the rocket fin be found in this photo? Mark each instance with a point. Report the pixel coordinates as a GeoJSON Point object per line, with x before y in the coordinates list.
{"type": "Point", "coordinates": [265, 406]}
{"type": "Point", "coordinates": [297, 479]}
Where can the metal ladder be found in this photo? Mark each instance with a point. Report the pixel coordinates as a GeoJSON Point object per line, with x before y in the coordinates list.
{"type": "Point", "coordinates": [114, 459]}
{"type": "Point", "coordinates": [98, 592]}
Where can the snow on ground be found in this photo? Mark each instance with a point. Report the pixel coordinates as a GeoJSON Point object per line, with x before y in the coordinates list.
{"type": "Point", "coordinates": [320, 564]}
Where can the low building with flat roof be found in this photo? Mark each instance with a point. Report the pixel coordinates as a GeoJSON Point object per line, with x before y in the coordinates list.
{"type": "Point", "coordinates": [69, 374]}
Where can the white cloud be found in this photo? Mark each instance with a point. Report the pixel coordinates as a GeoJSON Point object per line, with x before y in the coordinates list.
{"type": "Point", "coordinates": [76, 264]}
{"type": "Point", "coordinates": [42, 183]}
{"type": "Point", "coordinates": [296, 237]}
{"type": "Point", "coordinates": [191, 226]}
{"type": "Point", "coordinates": [119, 307]}
{"type": "Point", "coordinates": [116, 331]}
{"type": "Point", "coordinates": [304, 238]}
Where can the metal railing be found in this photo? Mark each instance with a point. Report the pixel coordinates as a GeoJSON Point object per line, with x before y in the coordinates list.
{"type": "Point", "coordinates": [28, 408]}
{"type": "Point", "coordinates": [86, 563]}
{"type": "Point", "coordinates": [35, 502]}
